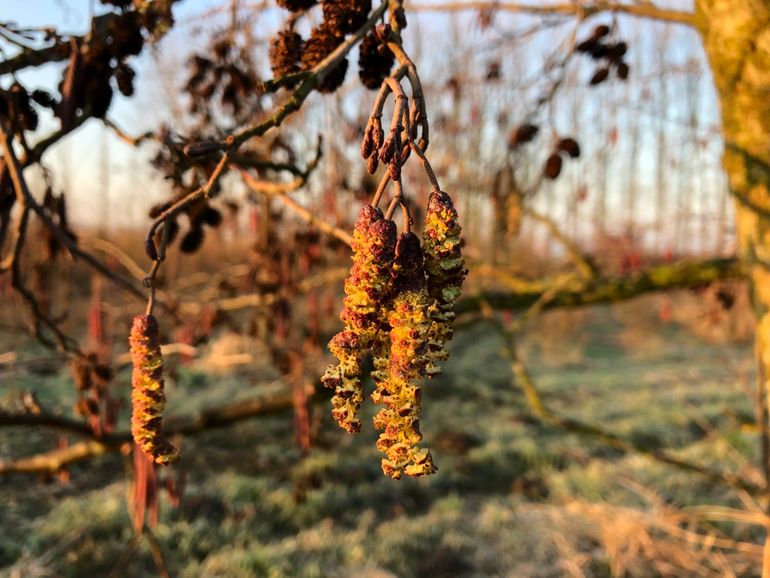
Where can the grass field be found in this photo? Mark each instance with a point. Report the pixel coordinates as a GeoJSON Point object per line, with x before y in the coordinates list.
{"type": "Point", "coordinates": [511, 498]}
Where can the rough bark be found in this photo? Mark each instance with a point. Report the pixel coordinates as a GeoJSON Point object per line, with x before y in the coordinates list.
{"type": "Point", "coordinates": [736, 37]}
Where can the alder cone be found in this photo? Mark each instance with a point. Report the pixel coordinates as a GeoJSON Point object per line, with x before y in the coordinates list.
{"type": "Point", "coordinates": [600, 31]}
{"type": "Point", "coordinates": [623, 70]}
{"type": "Point", "coordinates": [285, 53]}
{"type": "Point", "coordinates": [193, 240]}
{"type": "Point", "coordinates": [346, 16]}
{"type": "Point", "coordinates": [600, 76]}
{"type": "Point", "coordinates": [522, 135]}
{"type": "Point", "coordinates": [374, 62]}
{"type": "Point", "coordinates": [296, 5]}
{"type": "Point", "coordinates": [553, 166]}
{"type": "Point", "coordinates": [322, 42]}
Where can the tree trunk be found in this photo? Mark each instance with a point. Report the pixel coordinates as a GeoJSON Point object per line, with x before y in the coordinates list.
{"type": "Point", "coordinates": [736, 36]}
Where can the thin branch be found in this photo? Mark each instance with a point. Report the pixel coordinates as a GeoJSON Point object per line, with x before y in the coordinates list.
{"type": "Point", "coordinates": [275, 190]}
{"type": "Point", "coordinates": [194, 424]}
{"type": "Point", "coordinates": [646, 10]}
{"type": "Point", "coordinates": [33, 57]}
{"type": "Point", "coordinates": [585, 267]}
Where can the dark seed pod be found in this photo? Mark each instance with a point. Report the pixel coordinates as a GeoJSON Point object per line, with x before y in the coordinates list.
{"type": "Point", "coordinates": [587, 46]}
{"type": "Point", "coordinates": [212, 217]}
{"type": "Point", "coordinates": [345, 16]}
{"type": "Point", "coordinates": [569, 146]}
{"type": "Point", "coordinates": [156, 210]}
{"type": "Point", "coordinates": [600, 76]}
{"type": "Point", "coordinates": [148, 399]}
{"type": "Point", "coordinates": [553, 166]}
{"type": "Point", "coordinates": [192, 240]}
{"type": "Point", "coordinates": [600, 31]}
{"type": "Point", "coordinates": [623, 70]}
{"type": "Point", "coordinates": [43, 98]}
{"type": "Point", "coordinates": [522, 135]}
{"type": "Point", "coordinates": [599, 51]}
{"type": "Point", "coordinates": [29, 118]}
{"type": "Point", "coordinates": [285, 53]}
{"type": "Point", "coordinates": [374, 62]}
{"type": "Point", "coordinates": [615, 52]}
{"type": "Point", "coordinates": [319, 45]}
{"type": "Point", "coordinates": [124, 76]}
{"type": "Point", "coordinates": [296, 5]}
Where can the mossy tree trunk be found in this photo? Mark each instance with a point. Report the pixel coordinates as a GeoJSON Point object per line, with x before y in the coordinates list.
{"type": "Point", "coordinates": [736, 37]}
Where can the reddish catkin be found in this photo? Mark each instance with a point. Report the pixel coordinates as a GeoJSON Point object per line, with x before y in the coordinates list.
{"type": "Point", "coordinates": [374, 240]}
{"type": "Point", "coordinates": [400, 391]}
{"type": "Point", "coordinates": [147, 397]}
{"type": "Point", "coordinates": [445, 270]}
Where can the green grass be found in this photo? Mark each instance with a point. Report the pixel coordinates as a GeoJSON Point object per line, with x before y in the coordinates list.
{"type": "Point", "coordinates": [496, 507]}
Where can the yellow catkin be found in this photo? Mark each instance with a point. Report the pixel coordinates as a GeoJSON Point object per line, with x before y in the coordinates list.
{"type": "Point", "coordinates": [147, 396]}
{"type": "Point", "coordinates": [445, 271]}
{"type": "Point", "coordinates": [374, 240]}
{"type": "Point", "coordinates": [399, 391]}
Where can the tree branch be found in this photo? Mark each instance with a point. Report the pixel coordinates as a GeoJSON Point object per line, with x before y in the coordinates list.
{"type": "Point", "coordinates": [205, 420]}
{"type": "Point", "coordinates": [683, 275]}
{"type": "Point", "coordinates": [641, 10]}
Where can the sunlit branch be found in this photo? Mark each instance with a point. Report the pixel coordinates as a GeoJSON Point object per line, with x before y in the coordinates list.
{"type": "Point", "coordinates": [584, 9]}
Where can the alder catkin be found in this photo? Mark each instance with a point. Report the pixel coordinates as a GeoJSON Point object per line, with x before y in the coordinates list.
{"type": "Point", "coordinates": [147, 397]}
{"type": "Point", "coordinates": [445, 271]}
{"type": "Point", "coordinates": [400, 390]}
{"type": "Point", "coordinates": [374, 241]}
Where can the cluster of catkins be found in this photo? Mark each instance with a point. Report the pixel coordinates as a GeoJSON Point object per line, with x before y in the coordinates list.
{"type": "Point", "coordinates": [398, 307]}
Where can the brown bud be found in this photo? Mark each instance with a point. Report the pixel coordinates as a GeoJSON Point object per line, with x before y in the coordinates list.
{"type": "Point", "coordinates": [600, 76]}
{"type": "Point", "coordinates": [201, 148]}
{"type": "Point", "coordinates": [553, 166]}
{"type": "Point", "coordinates": [600, 31]}
{"type": "Point", "coordinates": [569, 146]}
{"type": "Point", "coordinates": [522, 135]}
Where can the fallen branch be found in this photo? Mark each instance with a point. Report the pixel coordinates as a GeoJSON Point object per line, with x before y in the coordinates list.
{"type": "Point", "coordinates": [207, 419]}
{"type": "Point", "coordinates": [579, 292]}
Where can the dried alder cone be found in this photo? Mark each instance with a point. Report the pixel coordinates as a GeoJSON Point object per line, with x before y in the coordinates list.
{"type": "Point", "coordinates": [147, 397]}
{"type": "Point", "coordinates": [285, 53]}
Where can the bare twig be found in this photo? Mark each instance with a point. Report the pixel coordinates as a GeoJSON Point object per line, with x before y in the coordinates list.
{"type": "Point", "coordinates": [639, 10]}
